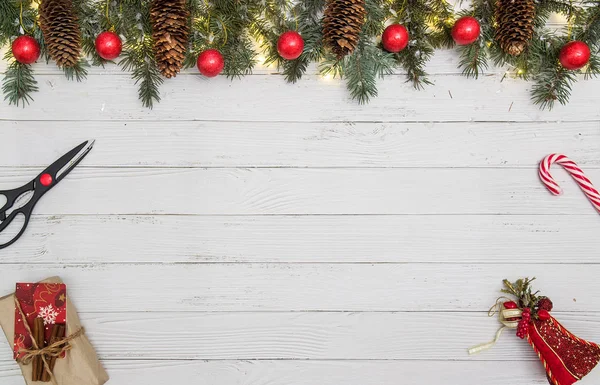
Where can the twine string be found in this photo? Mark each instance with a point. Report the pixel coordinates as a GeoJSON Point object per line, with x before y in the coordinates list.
{"type": "Point", "coordinates": [53, 350]}
{"type": "Point", "coordinates": [503, 317]}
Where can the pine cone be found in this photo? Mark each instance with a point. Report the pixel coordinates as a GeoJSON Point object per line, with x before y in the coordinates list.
{"type": "Point", "coordinates": [514, 24]}
{"type": "Point", "coordinates": [342, 23]}
{"type": "Point", "coordinates": [60, 28]}
{"type": "Point", "coordinates": [170, 32]}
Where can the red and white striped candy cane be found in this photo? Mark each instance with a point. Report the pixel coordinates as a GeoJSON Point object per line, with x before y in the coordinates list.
{"type": "Point", "coordinates": [584, 183]}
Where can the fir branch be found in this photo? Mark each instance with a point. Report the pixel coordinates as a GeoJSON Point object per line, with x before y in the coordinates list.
{"type": "Point", "coordinates": [551, 85]}
{"type": "Point", "coordinates": [18, 83]}
{"type": "Point", "coordinates": [9, 20]}
{"type": "Point", "coordinates": [362, 68]}
{"type": "Point", "coordinates": [78, 71]}
{"type": "Point", "coordinates": [139, 59]}
{"type": "Point", "coordinates": [223, 25]}
{"type": "Point", "coordinates": [311, 31]}
{"type": "Point", "coordinates": [473, 59]}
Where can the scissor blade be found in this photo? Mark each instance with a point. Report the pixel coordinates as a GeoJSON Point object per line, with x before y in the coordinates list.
{"type": "Point", "coordinates": [71, 159]}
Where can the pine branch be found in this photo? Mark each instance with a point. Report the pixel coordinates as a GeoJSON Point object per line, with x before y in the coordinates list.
{"type": "Point", "coordinates": [223, 25]}
{"type": "Point", "coordinates": [18, 83]}
{"type": "Point", "coordinates": [139, 59]}
{"type": "Point", "coordinates": [362, 68]}
{"type": "Point", "coordinates": [473, 59]}
{"type": "Point", "coordinates": [78, 71]}
{"type": "Point", "coordinates": [9, 20]}
{"type": "Point", "coordinates": [551, 85]}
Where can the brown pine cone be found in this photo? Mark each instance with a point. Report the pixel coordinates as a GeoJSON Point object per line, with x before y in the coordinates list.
{"type": "Point", "coordinates": [60, 28]}
{"type": "Point", "coordinates": [170, 32]}
{"type": "Point", "coordinates": [342, 22]}
{"type": "Point", "coordinates": [514, 24]}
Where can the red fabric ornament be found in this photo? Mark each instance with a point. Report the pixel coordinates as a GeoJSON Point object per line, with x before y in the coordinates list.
{"type": "Point", "coordinates": [210, 63]}
{"type": "Point", "coordinates": [25, 49]}
{"type": "Point", "coordinates": [466, 30]}
{"type": "Point", "coordinates": [395, 38]}
{"type": "Point", "coordinates": [566, 358]}
{"type": "Point", "coordinates": [290, 45]}
{"type": "Point", "coordinates": [574, 55]}
{"type": "Point", "coordinates": [108, 45]}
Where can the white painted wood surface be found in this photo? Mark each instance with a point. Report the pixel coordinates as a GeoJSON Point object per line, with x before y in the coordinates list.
{"type": "Point", "coordinates": [287, 236]}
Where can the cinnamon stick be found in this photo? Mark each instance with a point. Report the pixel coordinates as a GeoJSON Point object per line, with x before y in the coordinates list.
{"type": "Point", "coordinates": [58, 333]}
{"type": "Point", "coordinates": [38, 335]}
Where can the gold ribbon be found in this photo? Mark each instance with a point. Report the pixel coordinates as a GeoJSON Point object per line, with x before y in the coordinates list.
{"type": "Point", "coordinates": [52, 350]}
{"type": "Point", "coordinates": [503, 317]}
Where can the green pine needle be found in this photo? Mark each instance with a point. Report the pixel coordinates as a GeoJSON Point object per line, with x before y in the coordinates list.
{"type": "Point", "coordinates": [19, 84]}
{"type": "Point", "coordinates": [139, 59]}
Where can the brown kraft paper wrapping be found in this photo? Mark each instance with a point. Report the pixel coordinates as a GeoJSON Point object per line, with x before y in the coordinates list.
{"type": "Point", "coordinates": [80, 366]}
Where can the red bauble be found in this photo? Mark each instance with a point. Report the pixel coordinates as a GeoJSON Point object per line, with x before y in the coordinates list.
{"type": "Point", "coordinates": [510, 305]}
{"type": "Point", "coordinates": [108, 45]}
{"type": "Point", "coordinates": [466, 30]}
{"type": "Point", "coordinates": [210, 63]}
{"type": "Point", "coordinates": [290, 45]}
{"type": "Point", "coordinates": [25, 49]}
{"type": "Point", "coordinates": [574, 55]}
{"type": "Point", "coordinates": [395, 38]}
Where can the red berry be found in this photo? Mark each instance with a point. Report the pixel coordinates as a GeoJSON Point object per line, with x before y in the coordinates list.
{"type": "Point", "coordinates": [466, 30]}
{"type": "Point", "coordinates": [290, 45]}
{"type": "Point", "coordinates": [543, 315]}
{"type": "Point", "coordinates": [395, 38]}
{"type": "Point", "coordinates": [25, 49]}
{"type": "Point", "coordinates": [210, 63]}
{"type": "Point", "coordinates": [108, 45]}
{"type": "Point", "coordinates": [510, 305]}
{"type": "Point", "coordinates": [574, 55]}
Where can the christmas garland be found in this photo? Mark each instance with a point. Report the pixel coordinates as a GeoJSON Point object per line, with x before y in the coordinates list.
{"type": "Point", "coordinates": [357, 40]}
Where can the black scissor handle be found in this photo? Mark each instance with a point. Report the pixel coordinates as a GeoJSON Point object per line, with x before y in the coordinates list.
{"type": "Point", "coordinates": [26, 212]}
{"type": "Point", "coordinates": [12, 195]}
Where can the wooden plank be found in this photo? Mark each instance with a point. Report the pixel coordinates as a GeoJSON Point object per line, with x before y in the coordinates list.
{"type": "Point", "coordinates": [319, 144]}
{"type": "Point", "coordinates": [262, 98]}
{"type": "Point", "coordinates": [280, 239]}
{"type": "Point", "coordinates": [311, 336]}
{"type": "Point", "coordinates": [259, 191]}
{"type": "Point", "coordinates": [250, 372]}
{"type": "Point", "coordinates": [306, 287]}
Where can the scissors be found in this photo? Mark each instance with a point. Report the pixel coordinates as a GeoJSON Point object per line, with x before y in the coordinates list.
{"type": "Point", "coordinates": [22, 200]}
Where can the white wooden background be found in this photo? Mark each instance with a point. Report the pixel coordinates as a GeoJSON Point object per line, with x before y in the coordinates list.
{"type": "Point", "coordinates": [258, 233]}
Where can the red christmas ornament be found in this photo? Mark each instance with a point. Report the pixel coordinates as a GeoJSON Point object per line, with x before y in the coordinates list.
{"type": "Point", "coordinates": [210, 63]}
{"type": "Point", "coordinates": [290, 45]}
{"type": "Point", "coordinates": [25, 49]}
{"type": "Point", "coordinates": [466, 30]}
{"type": "Point", "coordinates": [574, 55]}
{"type": "Point", "coordinates": [510, 305]}
{"type": "Point", "coordinates": [108, 45]}
{"type": "Point", "coordinates": [566, 358]}
{"type": "Point", "coordinates": [395, 38]}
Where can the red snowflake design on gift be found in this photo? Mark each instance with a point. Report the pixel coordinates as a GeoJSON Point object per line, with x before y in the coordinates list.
{"type": "Point", "coordinates": [48, 314]}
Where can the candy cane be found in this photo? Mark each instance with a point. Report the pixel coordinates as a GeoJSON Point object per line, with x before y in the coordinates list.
{"type": "Point", "coordinates": [584, 183]}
